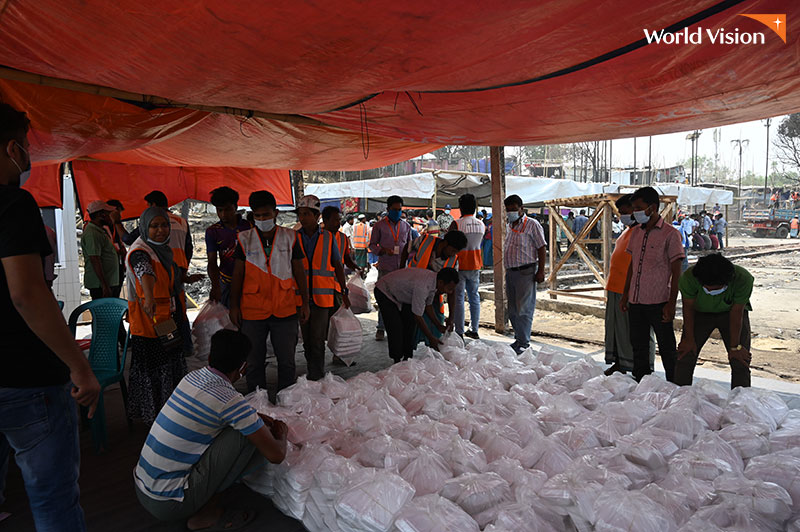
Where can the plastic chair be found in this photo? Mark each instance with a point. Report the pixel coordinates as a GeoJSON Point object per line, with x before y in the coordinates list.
{"type": "Point", "coordinates": [60, 304]}
{"type": "Point", "coordinates": [107, 365]}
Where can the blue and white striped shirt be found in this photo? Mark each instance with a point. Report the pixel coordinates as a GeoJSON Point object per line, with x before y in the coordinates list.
{"type": "Point", "coordinates": [203, 404]}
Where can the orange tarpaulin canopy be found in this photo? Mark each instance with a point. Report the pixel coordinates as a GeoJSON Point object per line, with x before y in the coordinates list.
{"type": "Point", "coordinates": [353, 85]}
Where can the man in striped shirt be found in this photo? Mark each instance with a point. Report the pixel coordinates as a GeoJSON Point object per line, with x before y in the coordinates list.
{"type": "Point", "coordinates": [205, 438]}
{"type": "Point", "coordinates": [524, 262]}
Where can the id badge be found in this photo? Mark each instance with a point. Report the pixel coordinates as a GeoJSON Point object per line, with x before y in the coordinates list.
{"type": "Point", "coordinates": [397, 250]}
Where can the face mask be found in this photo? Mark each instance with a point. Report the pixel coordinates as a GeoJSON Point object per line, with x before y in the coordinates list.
{"type": "Point", "coordinates": [153, 242]}
{"type": "Point", "coordinates": [447, 211]}
{"type": "Point", "coordinates": [715, 292]}
{"type": "Point", "coordinates": [265, 226]}
{"type": "Point", "coordinates": [394, 216]}
{"type": "Point", "coordinates": [512, 217]}
{"type": "Point", "coordinates": [641, 217]}
{"type": "Point", "coordinates": [626, 219]}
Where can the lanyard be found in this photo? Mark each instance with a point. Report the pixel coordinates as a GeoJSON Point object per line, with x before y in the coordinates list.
{"type": "Point", "coordinates": [522, 229]}
{"type": "Point", "coordinates": [395, 235]}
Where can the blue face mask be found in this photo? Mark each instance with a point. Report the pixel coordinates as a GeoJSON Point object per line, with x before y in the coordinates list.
{"type": "Point", "coordinates": [393, 215]}
{"type": "Point", "coordinates": [641, 217]}
{"type": "Point", "coordinates": [716, 292]}
{"type": "Point", "coordinates": [512, 217]}
{"type": "Point", "coordinates": [626, 219]}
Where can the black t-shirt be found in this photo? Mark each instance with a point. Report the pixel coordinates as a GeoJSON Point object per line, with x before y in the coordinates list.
{"type": "Point", "coordinates": [25, 361]}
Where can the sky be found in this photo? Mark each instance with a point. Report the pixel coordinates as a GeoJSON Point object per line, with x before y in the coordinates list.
{"type": "Point", "coordinates": [673, 149]}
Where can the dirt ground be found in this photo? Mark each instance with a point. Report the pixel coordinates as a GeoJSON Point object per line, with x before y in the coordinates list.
{"type": "Point", "coordinates": [775, 320]}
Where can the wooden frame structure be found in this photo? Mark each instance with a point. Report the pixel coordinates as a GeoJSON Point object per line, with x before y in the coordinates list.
{"type": "Point", "coordinates": [604, 207]}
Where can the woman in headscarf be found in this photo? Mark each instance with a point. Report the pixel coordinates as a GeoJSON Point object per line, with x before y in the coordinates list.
{"type": "Point", "coordinates": [155, 295]}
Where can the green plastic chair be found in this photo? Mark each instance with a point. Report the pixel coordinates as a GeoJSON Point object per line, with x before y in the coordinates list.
{"type": "Point", "coordinates": [104, 357]}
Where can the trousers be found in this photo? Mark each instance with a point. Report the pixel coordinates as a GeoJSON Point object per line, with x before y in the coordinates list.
{"type": "Point", "coordinates": [704, 325]}
{"type": "Point", "coordinates": [229, 457]}
{"type": "Point", "coordinates": [521, 294]}
{"type": "Point", "coordinates": [283, 334]}
{"type": "Point", "coordinates": [618, 335]}
{"type": "Point", "coordinates": [41, 425]}
{"type": "Point", "coordinates": [642, 318]}
{"type": "Point", "coordinates": [315, 332]}
{"type": "Point", "coordinates": [469, 281]}
{"type": "Point", "coordinates": [400, 327]}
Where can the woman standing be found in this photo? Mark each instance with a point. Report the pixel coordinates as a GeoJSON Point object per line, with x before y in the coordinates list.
{"type": "Point", "coordinates": [155, 305]}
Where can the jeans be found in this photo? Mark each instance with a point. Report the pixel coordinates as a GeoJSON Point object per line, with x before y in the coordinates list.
{"type": "Point", "coordinates": [41, 425]}
{"type": "Point", "coordinates": [401, 327]}
{"type": "Point", "coordinates": [521, 294]}
{"type": "Point", "coordinates": [315, 332]}
{"type": "Point", "coordinates": [471, 280]}
{"type": "Point", "coordinates": [704, 325]}
{"type": "Point", "coordinates": [642, 317]}
{"type": "Point", "coordinates": [283, 333]}
{"type": "Point", "coordinates": [721, 237]}
{"type": "Point", "coordinates": [230, 457]}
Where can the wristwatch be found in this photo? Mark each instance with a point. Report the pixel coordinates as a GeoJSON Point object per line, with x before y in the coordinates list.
{"type": "Point", "coordinates": [737, 348]}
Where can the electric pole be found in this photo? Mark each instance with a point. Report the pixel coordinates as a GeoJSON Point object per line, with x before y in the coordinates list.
{"type": "Point", "coordinates": [740, 143]}
{"type": "Point", "coordinates": [635, 181]}
{"type": "Point", "coordinates": [766, 165]}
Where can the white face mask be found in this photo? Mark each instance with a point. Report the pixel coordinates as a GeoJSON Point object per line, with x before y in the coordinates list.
{"type": "Point", "coordinates": [716, 292]}
{"type": "Point", "coordinates": [447, 211]}
{"type": "Point", "coordinates": [512, 217]}
{"type": "Point", "coordinates": [641, 217]}
{"type": "Point", "coordinates": [626, 219]}
{"type": "Point", "coordinates": [265, 225]}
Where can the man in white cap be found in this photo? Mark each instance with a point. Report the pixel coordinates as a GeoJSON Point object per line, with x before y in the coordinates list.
{"type": "Point", "coordinates": [360, 241]}
{"type": "Point", "coordinates": [323, 267]}
{"type": "Point", "coordinates": [101, 265]}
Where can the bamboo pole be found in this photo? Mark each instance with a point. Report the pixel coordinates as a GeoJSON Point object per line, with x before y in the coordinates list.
{"type": "Point", "coordinates": [497, 159]}
{"type": "Point", "coordinates": [553, 212]}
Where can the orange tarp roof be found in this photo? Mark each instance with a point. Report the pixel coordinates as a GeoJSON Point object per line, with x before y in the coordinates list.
{"type": "Point", "coordinates": [386, 80]}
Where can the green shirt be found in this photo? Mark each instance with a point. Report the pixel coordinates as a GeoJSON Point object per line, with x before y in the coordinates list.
{"type": "Point", "coordinates": [739, 290]}
{"type": "Point", "coordinates": [95, 242]}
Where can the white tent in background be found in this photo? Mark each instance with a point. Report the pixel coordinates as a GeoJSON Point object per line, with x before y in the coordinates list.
{"type": "Point", "coordinates": [418, 189]}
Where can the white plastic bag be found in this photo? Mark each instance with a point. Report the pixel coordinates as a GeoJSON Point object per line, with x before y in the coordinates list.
{"type": "Point", "coordinates": [427, 472]}
{"type": "Point", "coordinates": [432, 513]}
{"type": "Point", "coordinates": [360, 299]}
{"type": "Point", "coordinates": [344, 335]}
{"type": "Point", "coordinates": [212, 318]}
{"type": "Point", "coordinates": [372, 499]}
{"type": "Point", "coordinates": [476, 492]}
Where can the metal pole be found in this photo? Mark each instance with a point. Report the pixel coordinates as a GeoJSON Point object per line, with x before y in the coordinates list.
{"type": "Point", "coordinates": [634, 162]}
{"type": "Point", "coordinates": [496, 154]}
{"type": "Point", "coordinates": [650, 159]}
{"type": "Point", "coordinates": [610, 159]}
{"type": "Point", "coordinates": [766, 169]}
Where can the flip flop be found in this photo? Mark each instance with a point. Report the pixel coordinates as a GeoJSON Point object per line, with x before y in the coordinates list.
{"type": "Point", "coordinates": [230, 520]}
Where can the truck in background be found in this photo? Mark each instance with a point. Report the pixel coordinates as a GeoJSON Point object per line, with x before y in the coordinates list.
{"type": "Point", "coordinates": [770, 222]}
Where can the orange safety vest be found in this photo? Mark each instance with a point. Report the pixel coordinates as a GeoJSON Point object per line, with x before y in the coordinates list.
{"type": "Point", "coordinates": [422, 257]}
{"type": "Point", "coordinates": [163, 291]}
{"type": "Point", "coordinates": [322, 281]}
{"type": "Point", "coordinates": [361, 236]}
{"type": "Point", "coordinates": [269, 288]}
{"type": "Point", "coordinates": [343, 243]}
{"type": "Point", "coordinates": [469, 259]}
{"type": "Point", "coordinates": [795, 223]}
{"type": "Point", "coordinates": [178, 229]}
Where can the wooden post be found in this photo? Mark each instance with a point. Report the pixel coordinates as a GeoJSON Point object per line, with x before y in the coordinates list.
{"type": "Point", "coordinates": [553, 212]}
{"type": "Point", "coordinates": [296, 177]}
{"type": "Point", "coordinates": [499, 222]}
{"type": "Point", "coordinates": [726, 227]}
{"type": "Point", "coordinates": [606, 206]}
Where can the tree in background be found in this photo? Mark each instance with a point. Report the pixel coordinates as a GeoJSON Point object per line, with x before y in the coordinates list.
{"type": "Point", "coordinates": [787, 145]}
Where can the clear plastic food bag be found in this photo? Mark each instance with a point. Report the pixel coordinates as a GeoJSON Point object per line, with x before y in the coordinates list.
{"type": "Point", "coordinates": [213, 316]}
{"type": "Point", "coordinates": [427, 472]}
{"type": "Point", "coordinates": [476, 492]}
{"type": "Point", "coordinates": [432, 513]}
{"type": "Point", "coordinates": [360, 299]}
{"type": "Point", "coordinates": [345, 335]}
{"type": "Point", "coordinates": [372, 499]}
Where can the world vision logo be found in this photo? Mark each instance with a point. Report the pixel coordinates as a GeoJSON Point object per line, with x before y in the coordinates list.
{"type": "Point", "coordinates": [775, 22]}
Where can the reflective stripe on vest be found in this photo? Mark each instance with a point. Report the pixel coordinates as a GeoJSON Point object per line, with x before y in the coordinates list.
{"type": "Point", "coordinates": [178, 229]}
{"type": "Point", "coordinates": [322, 281]}
{"type": "Point", "coordinates": [361, 236]}
{"type": "Point", "coordinates": [343, 243]}
{"type": "Point", "coordinates": [140, 323]}
{"type": "Point", "coordinates": [269, 287]}
{"type": "Point", "coordinates": [422, 257]}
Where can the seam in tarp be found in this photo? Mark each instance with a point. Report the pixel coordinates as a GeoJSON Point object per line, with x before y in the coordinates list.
{"type": "Point", "coordinates": [688, 21]}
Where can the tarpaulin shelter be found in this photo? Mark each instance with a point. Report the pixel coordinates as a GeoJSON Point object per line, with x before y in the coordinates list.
{"type": "Point", "coordinates": [353, 85]}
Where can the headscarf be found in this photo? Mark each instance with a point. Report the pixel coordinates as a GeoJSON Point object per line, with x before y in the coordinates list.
{"type": "Point", "coordinates": [161, 249]}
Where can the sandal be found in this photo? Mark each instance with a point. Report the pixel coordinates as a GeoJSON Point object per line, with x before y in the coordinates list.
{"type": "Point", "coordinates": [230, 520]}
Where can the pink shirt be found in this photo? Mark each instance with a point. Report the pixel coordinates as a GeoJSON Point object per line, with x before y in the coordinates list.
{"type": "Point", "coordinates": [652, 254]}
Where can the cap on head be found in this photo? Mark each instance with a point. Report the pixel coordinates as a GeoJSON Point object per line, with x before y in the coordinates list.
{"type": "Point", "coordinates": [362, 216]}
{"type": "Point", "coordinates": [309, 202]}
{"type": "Point", "coordinates": [447, 206]}
{"type": "Point", "coordinates": [97, 206]}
